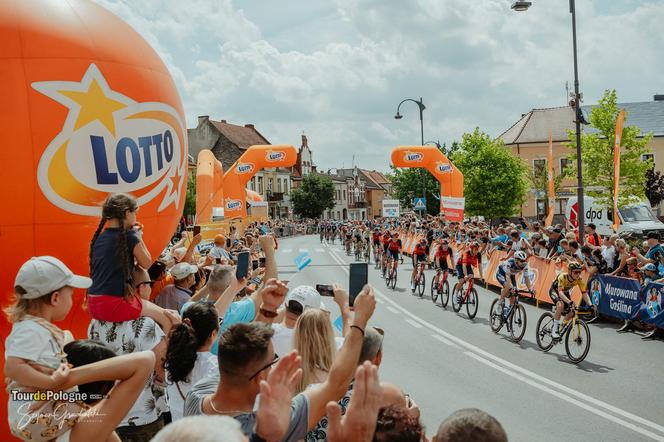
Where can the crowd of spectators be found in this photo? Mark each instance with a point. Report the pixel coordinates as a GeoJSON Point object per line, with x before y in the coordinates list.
{"type": "Point", "coordinates": [206, 356]}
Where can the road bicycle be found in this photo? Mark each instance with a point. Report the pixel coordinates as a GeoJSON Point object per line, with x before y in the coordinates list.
{"type": "Point", "coordinates": [575, 331]}
{"type": "Point", "coordinates": [467, 295]}
{"type": "Point", "coordinates": [391, 278]}
{"type": "Point", "coordinates": [440, 286]}
{"type": "Point", "coordinates": [420, 281]}
{"type": "Point", "coordinates": [514, 315]}
{"type": "Point", "coordinates": [378, 255]}
{"type": "Point", "coordinates": [367, 251]}
{"type": "Point", "coordinates": [348, 245]}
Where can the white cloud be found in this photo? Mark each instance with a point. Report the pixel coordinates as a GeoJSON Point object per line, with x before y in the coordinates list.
{"type": "Point", "coordinates": [338, 70]}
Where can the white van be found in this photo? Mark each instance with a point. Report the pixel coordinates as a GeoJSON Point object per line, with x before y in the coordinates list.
{"type": "Point", "coordinates": [636, 219]}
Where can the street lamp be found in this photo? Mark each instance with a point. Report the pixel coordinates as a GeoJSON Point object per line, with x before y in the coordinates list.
{"type": "Point", "coordinates": [398, 116]}
{"type": "Point", "coordinates": [522, 6]}
{"type": "Point", "coordinates": [435, 143]}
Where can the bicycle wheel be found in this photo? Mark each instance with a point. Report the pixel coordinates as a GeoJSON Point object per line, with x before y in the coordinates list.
{"type": "Point", "coordinates": [387, 275]}
{"type": "Point", "coordinates": [495, 317]}
{"type": "Point", "coordinates": [434, 289]}
{"type": "Point", "coordinates": [456, 299]}
{"type": "Point", "coordinates": [421, 283]}
{"type": "Point", "coordinates": [445, 294]}
{"type": "Point", "coordinates": [577, 341]}
{"type": "Point", "coordinates": [543, 331]}
{"type": "Point", "coordinates": [472, 303]}
{"type": "Point", "coordinates": [518, 323]}
{"type": "Point", "coordinates": [394, 278]}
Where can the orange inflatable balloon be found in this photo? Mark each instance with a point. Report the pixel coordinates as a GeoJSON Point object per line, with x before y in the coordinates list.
{"type": "Point", "coordinates": [449, 177]}
{"type": "Point", "coordinates": [209, 189]}
{"type": "Point", "coordinates": [88, 109]}
{"type": "Point", "coordinates": [239, 174]}
{"type": "Point", "coordinates": [253, 197]}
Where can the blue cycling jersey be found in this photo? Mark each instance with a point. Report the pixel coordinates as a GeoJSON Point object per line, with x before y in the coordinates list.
{"type": "Point", "coordinates": [509, 267]}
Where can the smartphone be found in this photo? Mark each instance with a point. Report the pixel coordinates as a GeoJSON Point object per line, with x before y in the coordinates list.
{"type": "Point", "coordinates": [325, 290]}
{"type": "Point", "coordinates": [359, 275]}
{"type": "Point", "coordinates": [228, 242]}
{"type": "Point", "coordinates": [242, 270]}
{"type": "Point", "coordinates": [261, 262]}
{"type": "Point", "coordinates": [218, 260]}
{"type": "Point", "coordinates": [197, 230]}
{"type": "Point", "coordinates": [254, 264]}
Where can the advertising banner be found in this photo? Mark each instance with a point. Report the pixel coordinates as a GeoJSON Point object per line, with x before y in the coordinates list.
{"type": "Point", "coordinates": [391, 208]}
{"type": "Point", "coordinates": [618, 297]}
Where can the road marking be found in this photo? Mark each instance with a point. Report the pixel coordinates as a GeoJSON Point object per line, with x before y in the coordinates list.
{"type": "Point", "coordinates": [413, 323]}
{"type": "Point", "coordinates": [286, 250]}
{"type": "Point", "coordinates": [567, 398]}
{"type": "Point", "coordinates": [303, 250]}
{"type": "Point", "coordinates": [320, 250]}
{"type": "Point", "coordinates": [566, 393]}
{"type": "Point", "coordinates": [445, 341]}
{"type": "Point", "coordinates": [393, 310]}
{"type": "Point", "coordinates": [380, 301]}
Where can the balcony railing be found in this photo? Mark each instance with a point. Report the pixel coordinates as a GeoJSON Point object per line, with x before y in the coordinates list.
{"type": "Point", "coordinates": [357, 205]}
{"type": "Point", "coordinates": [275, 196]}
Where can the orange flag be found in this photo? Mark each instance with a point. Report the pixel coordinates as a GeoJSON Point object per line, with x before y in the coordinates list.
{"type": "Point", "coordinates": [551, 188]}
{"type": "Point", "coordinates": [616, 167]}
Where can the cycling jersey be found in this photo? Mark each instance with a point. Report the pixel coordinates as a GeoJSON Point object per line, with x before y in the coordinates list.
{"type": "Point", "coordinates": [421, 250]}
{"type": "Point", "coordinates": [469, 258]}
{"type": "Point", "coordinates": [510, 268]}
{"type": "Point", "coordinates": [563, 282]}
{"type": "Point", "coordinates": [394, 245]}
{"type": "Point", "coordinates": [443, 253]}
{"type": "Point", "coordinates": [375, 236]}
{"type": "Point", "coordinates": [386, 239]}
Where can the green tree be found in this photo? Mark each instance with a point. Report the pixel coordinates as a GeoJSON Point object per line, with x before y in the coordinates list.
{"type": "Point", "coordinates": [495, 180]}
{"type": "Point", "coordinates": [654, 187]}
{"type": "Point", "coordinates": [597, 155]}
{"type": "Point", "coordinates": [407, 184]}
{"type": "Point", "coordinates": [190, 199]}
{"type": "Point", "coordinates": [313, 197]}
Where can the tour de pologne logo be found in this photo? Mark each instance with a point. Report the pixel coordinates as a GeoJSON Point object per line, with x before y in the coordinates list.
{"type": "Point", "coordinates": [233, 204]}
{"type": "Point", "coordinates": [275, 155]}
{"type": "Point", "coordinates": [243, 168]}
{"type": "Point", "coordinates": [413, 157]}
{"type": "Point", "coordinates": [110, 143]}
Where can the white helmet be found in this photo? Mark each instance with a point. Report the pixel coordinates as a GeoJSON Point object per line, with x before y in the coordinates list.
{"type": "Point", "coordinates": [520, 255]}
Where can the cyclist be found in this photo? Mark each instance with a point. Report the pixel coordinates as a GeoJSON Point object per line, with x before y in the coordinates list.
{"type": "Point", "coordinates": [506, 276]}
{"type": "Point", "coordinates": [420, 254]}
{"type": "Point", "coordinates": [394, 249]}
{"type": "Point", "coordinates": [348, 236]}
{"type": "Point", "coordinates": [386, 242]}
{"type": "Point", "coordinates": [560, 294]}
{"type": "Point", "coordinates": [375, 240]}
{"type": "Point", "coordinates": [467, 262]}
{"type": "Point", "coordinates": [443, 255]}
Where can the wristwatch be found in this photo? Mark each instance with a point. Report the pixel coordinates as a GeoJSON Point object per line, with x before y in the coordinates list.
{"type": "Point", "coordinates": [268, 313]}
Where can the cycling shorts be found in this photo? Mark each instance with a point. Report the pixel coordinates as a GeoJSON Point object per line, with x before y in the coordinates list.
{"type": "Point", "coordinates": [567, 307]}
{"type": "Point", "coordinates": [394, 254]}
{"type": "Point", "coordinates": [501, 277]}
{"type": "Point", "coordinates": [376, 242]}
{"type": "Point", "coordinates": [442, 263]}
{"type": "Point", "coordinates": [460, 270]}
{"type": "Point", "coordinates": [420, 258]}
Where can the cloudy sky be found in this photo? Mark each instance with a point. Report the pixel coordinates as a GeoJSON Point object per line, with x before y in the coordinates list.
{"type": "Point", "coordinates": [336, 69]}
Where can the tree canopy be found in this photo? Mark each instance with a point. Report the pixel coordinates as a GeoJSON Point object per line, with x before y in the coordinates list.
{"type": "Point", "coordinates": [313, 197]}
{"type": "Point", "coordinates": [597, 155]}
{"type": "Point", "coordinates": [495, 180]}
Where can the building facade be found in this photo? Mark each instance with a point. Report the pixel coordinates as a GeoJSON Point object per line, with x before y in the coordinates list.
{"type": "Point", "coordinates": [529, 139]}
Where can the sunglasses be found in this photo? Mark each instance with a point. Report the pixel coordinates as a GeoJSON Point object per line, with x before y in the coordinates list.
{"type": "Point", "coordinates": [268, 365]}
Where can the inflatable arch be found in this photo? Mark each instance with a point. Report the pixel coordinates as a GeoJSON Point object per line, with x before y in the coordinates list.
{"type": "Point", "coordinates": [209, 189]}
{"type": "Point", "coordinates": [239, 174]}
{"type": "Point", "coordinates": [253, 197]}
{"type": "Point", "coordinates": [449, 177]}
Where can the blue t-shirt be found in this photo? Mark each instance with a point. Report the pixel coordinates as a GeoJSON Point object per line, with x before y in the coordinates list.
{"type": "Point", "coordinates": [655, 252]}
{"type": "Point", "coordinates": [106, 273]}
{"type": "Point", "coordinates": [239, 311]}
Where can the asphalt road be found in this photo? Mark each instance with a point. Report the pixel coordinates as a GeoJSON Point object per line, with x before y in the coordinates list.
{"type": "Point", "coordinates": [446, 362]}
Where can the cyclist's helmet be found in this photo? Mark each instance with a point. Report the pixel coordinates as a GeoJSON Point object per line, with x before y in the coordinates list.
{"type": "Point", "coordinates": [520, 256]}
{"type": "Point", "coordinates": [573, 267]}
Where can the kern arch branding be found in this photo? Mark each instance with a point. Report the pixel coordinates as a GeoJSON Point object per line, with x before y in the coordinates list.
{"type": "Point", "coordinates": [110, 143]}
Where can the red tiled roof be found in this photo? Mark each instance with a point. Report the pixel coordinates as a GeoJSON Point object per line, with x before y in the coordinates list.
{"type": "Point", "coordinates": [242, 136]}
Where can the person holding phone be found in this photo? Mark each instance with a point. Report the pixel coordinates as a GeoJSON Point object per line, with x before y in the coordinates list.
{"type": "Point", "coordinates": [219, 252]}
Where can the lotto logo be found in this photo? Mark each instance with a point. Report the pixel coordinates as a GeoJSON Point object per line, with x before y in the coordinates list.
{"type": "Point", "coordinates": [413, 157]}
{"type": "Point", "coordinates": [233, 204]}
{"type": "Point", "coordinates": [244, 168]}
{"type": "Point", "coordinates": [275, 155]}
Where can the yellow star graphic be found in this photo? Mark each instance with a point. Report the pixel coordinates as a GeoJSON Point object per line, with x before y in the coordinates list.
{"type": "Point", "coordinates": [95, 105]}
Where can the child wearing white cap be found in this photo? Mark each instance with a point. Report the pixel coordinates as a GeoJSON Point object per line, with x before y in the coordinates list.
{"type": "Point", "coordinates": [43, 290]}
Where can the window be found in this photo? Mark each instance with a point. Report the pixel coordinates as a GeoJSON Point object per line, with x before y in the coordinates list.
{"type": "Point", "coordinates": [344, 194]}
{"type": "Point", "coordinates": [539, 166]}
{"type": "Point", "coordinates": [279, 185]}
{"type": "Point", "coordinates": [270, 185]}
{"type": "Point", "coordinates": [260, 184]}
{"type": "Point", "coordinates": [541, 207]}
{"type": "Point", "coordinates": [251, 184]}
{"type": "Point", "coordinates": [564, 163]}
{"type": "Point", "coordinates": [560, 207]}
{"type": "Point", "coordinates": [648, 157]}
{"type": "Point", "coordinates": [338, 195]}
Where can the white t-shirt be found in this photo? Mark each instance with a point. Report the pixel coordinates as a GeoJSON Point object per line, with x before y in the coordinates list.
{"type": "Point", "coordinates": [609, 255]}
{"type": "Point", "coordinates": [282, 340]}
{"type": "Point", "coordinates": [206, 366]}
{"type": "Point", "coordinates": [30, 341]}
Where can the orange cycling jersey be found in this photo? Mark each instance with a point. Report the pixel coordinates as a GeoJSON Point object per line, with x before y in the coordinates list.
{"type": "Point", "coordinates": [420, 250]}
{"type": "Point", "coordinates": [394, 245]}
{"type": "Point", "coordinates": [469, 258]}
{"type": "Point", "coordinates": [440, 253]}
{"type": "Point", "coordinates": [375, 236]}
{"type": "Point", "coordinates": [386, 238]}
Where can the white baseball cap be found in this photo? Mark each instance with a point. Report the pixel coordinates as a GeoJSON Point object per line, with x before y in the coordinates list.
{"type": "Point", "coordinates": [181, 270]}
{"type": "Point", "coordinates": [42, 275]}
{"type": "Point", "coordinates": [306, 296]}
